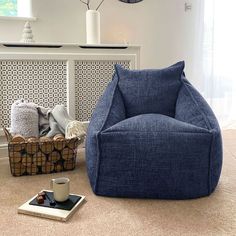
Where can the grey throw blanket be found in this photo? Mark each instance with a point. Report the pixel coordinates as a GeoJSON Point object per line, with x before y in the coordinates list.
{"type": "Point", "coordinates": [70, 127]}
{"type": "Point", "coordinates": [29, 119]}
{"type": "Point", "coordinates": [53, 127]}
{"type": "Point", "coordinates": [43, 120]}
{"type": "Point", "coordinates": [47, 124]}
{"type": "Point", "coordinates": [24, 119]}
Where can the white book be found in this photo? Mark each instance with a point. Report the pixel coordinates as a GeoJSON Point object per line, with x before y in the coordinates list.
{"type": "Point", "coordinates": [50, 213]}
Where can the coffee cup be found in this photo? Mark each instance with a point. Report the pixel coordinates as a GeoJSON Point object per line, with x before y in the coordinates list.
{"type": "Point", "coordinates": [60, 188]}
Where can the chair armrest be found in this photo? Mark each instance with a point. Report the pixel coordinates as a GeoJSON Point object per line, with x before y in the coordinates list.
{"type": "Point", "coordinates": [192, 108]}
{"type": "Point", "coordinates": [109, 110]}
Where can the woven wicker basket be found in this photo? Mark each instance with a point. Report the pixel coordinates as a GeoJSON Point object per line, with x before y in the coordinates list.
{"type": "Point", "coordinates": [37, 157]}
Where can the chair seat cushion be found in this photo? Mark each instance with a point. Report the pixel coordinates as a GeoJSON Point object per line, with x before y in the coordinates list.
{"type": "Point", "coordinates": [154, 123]}
{"type": "Point", "coordinates": [154, 156]}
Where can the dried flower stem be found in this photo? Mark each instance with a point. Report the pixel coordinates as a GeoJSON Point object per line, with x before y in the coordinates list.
{"type": "Point", "coordinates": [100, 4]}
{"type": "Point", "coordinates": [86, 3]}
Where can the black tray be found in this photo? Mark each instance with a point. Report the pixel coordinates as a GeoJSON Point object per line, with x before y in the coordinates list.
{"type": "Point", "coordinates": [67, 205]}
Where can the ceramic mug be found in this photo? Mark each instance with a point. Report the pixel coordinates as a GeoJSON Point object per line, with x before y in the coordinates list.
{"type": "Point", "coordinates": [60, 188]}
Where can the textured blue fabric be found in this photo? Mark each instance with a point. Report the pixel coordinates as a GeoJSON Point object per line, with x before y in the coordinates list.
{"type": "Point", "coordinates": [153, 155]}
{"type": "Point", "coordinates": [110, 110]}
{"type": "Point", "coordinates": [154, 123]}
{"type": "Point", "coordinates": [150, 91]}
{"type": "Point", "coordinates": [192, 108]}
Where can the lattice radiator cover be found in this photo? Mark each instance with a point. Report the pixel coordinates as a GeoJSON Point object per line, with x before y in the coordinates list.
{"type": "Point", "coordinates": [42, 82]}
{"type": "Point", "coordinates": [91, 78]}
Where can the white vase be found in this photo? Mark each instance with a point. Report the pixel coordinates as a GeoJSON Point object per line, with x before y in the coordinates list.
{"type": "Point", "coordinates": [93, 27]}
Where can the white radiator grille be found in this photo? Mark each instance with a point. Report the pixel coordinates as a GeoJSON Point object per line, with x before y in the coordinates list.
{"type": "Point", "coordinates": [42, 82]}
{"type": "Point", "coordinates": [91, 78]}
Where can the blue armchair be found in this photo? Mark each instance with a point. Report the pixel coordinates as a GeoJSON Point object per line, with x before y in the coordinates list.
{"type": "Point", "coordinates": [152, 135]}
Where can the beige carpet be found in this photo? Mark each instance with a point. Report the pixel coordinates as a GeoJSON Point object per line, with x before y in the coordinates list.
{"type": "Point", "coordinates": [214, 215]}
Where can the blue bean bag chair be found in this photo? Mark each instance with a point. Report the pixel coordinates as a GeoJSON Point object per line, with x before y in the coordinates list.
{"type": "Point", "coordinates": [152, 135]}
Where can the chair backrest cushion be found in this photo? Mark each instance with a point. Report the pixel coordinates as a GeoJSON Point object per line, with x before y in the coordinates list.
{"type": "Point", "coordinates": [150, 91]}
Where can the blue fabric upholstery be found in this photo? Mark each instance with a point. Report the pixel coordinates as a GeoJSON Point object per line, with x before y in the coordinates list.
{"type": "Point", "coordinates": [192, 108]}
{"type": "Point", "coordinates": [151, 89]}
{"type": "Point", "coordinates": [167, 154]}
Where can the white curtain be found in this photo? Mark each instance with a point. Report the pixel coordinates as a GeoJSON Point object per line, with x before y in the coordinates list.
{"type": "Point", "coordinates": [215, 57]}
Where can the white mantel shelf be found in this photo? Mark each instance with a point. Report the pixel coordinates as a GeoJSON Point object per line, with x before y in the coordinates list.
{"type": "Point", "coordinates": [59, 45]}
{"type": "Point", "coordinates": [66, 51]}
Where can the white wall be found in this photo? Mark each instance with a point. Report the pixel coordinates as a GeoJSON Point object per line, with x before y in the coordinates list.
{"type": "Point", "coordinates": [162, 27]}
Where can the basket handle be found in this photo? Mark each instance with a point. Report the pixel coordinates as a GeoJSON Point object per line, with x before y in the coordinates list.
{"type": "Point", "coordinates": [8, 135]}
